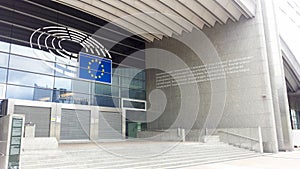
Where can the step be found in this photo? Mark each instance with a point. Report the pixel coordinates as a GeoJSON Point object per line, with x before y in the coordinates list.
{"type": "Point", "coordinates": [168, 161]}
{"type": "Point", "coordinates": [95, 155]}
{"type": "Point", "coordinates": [211, 138]}
{"type": "Point", "coordinates": [96, 158]}
{"type": "Point", "coordinates": [139, 161]}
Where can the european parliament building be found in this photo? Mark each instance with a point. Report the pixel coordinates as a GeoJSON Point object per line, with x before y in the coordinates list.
{"type": "Point", "coordinates": [163, 70]}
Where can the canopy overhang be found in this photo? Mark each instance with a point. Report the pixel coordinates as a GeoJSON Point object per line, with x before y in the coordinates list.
{"type": "Point", "coordinates": [155, 19]}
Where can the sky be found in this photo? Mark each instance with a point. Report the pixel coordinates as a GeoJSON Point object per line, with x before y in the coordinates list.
{"type": "Point", "coordinates": [288, 16]}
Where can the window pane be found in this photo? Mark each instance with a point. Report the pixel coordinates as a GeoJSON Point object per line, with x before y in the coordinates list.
{"type": "Point", "coordinates": [134, 104]}
{"type": "Point", "coordinates": [3, 59]}
{"type": "Point", "coordinates": [134, 94]}
{"type": "Point", "coordinates": [28, 93]}
{"type": "Point", "coordinates": [63, 96]}
{"type": "Point", "coordinates": [4, 46]}
{"type": "Point", "coordinates": [106, 101]}
{"type": "Point", "coordinates": [83, 99]}
{"type": "Point", "coordinates": [2, 92]}
{"type": "Point", "coordinates": [103, 89]}
{"type": "Point", "coordinates": [63, 83]}
{"type": "Point", "coordinates": [132, 83]}
{"type": "Point", "coordinates": [30, 79]}
{"type": "Point", "coordinates": [3, 75]}
{"type": "Point", "coordinates": [18, 92]}
{"type": "Point", "coordinates": [141, 75]}
{"type": "Point", "coordinates": [65, 71]}
{"type": "Point", "coordinates": [42, 94]}
{"type": "Point", "coordinates": [81, 86]}
{"type": "Point", "coordinates": [115, 80]}
{"type": "Point", "coordinates": [131, 73]}
{"type": "Point", "coordinates": [34, 65]}
{"type": "Point", "coordinates": [72, 85]}
{"type": "Point", "coordinates": [65, 61]}
{"type": "Point", "coordinates": [31, 52]}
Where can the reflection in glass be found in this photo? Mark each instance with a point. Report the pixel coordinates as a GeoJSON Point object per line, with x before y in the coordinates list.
{"type": "Point", "coordinates": [64, 96]}
{"type": "Point", "coordinates": [132, 83]}
{"type": "Point", "coordinates": [3, 59]}
{"type": "Point", "coordinates": [134, 104]}
{"type": "Point", "coordinates": [83, 99]}
{"type": "Point", "coordinates": [30, 79]}
{"type": "Point", "coordinates": [81, 86]}
{"type": "Point", "coordinates": [64, 61]}
{"type": "Point", "coordinates": [4, 46]}
{"type": "Point", "coordinates": [42, 94]}
{"type": "Point", "coordinates": [33, 65]}
{"type": "Point", "coordinates": [141, 75]}
{"type": "Point", "coordinates": [65, 71]}
{"type": "Point", "coordinates": [63, 83]}
{"type": "Point", "coordinates": [134, 94]}
{"type": "Point", "coordinates": [3, 75]}
{"type": "Point", "coordinates": [115, 80]}
{"type": "Point", "coordinates": [31, 52]}
{"type": "Point", "coordinates": [72, 85]}
{"type": "Point", "coordinates": [2, 93]}
{"type": "Point", "coordinates": [28, 93]}
{"type": "Point", "coordinates": [17, 92]}
{"type": "Point", "coordinates": [131, 73]}
{"type": "Point", "coordinates": [103, 89]}
{"type": "Point", "coordinates": [106, 101]}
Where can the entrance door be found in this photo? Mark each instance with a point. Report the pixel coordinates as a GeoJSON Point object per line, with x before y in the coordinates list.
{"type": "Point", "coordinates": [131, 129]}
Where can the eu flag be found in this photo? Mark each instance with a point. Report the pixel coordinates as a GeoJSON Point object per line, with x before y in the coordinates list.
{"type": "Point", "coordinates": [95, 68]}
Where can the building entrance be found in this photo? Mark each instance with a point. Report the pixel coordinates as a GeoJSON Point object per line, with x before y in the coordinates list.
{"type": "Point", "coordinates": [131, 129]}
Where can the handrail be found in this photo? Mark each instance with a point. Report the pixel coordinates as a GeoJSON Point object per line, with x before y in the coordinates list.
{"type": "Point", "coordinates": [259, 140]}
{"type": "Point", "coordinates": [238, 135]}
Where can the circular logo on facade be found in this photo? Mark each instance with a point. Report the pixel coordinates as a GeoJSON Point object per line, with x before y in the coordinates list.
{"type": "Point", "coordinates": [60, 41]}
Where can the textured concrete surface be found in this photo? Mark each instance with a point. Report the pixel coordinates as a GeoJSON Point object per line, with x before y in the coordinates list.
{"type": "Point", "coordinates": [243, 99]}
{"type": "Point", "coordinates": [132, 155]}
{"type": "Point", "coordinates": [148, 155]}
{"type": "Point", "coordinates": [286, 160]}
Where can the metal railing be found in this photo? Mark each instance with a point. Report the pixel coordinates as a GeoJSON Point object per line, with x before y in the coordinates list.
{"type": "Point", "coordinates": [253, 141]}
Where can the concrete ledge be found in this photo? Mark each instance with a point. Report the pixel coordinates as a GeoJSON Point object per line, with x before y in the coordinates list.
{"type": "Point", "coordinates": [39, 143]}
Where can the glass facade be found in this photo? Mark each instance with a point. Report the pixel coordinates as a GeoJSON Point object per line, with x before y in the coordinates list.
{"type": "Point", "coordinates": [295, 119]}
{"type": "Point", "coordinates": [31, 71]}
{"type": "Point", "coordinates": [32, 78]}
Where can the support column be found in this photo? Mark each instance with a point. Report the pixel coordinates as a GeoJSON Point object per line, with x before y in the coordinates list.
{"type": "Point", "coordinates": [277, 77]}
{"type": "Point", "coordinates": [53, 120]}
{"type": "Point", "coordinates": [124, 123]}
{"type": "Point", "coordinates": [58, 121]}
{"type": "Point", "coordinates": [94, 124]}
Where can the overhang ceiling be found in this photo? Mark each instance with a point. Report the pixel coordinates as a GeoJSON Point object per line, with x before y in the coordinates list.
{"type": "Point", "coordinates": [155, 19]}
{"type": "Point", "coordinates": [291, 68]}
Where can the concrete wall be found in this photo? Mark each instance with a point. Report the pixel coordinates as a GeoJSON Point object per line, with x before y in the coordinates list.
{"type": "Point", "coordinates": [248, 101]}
{"type": "Point", "coordinates": [5, 123]}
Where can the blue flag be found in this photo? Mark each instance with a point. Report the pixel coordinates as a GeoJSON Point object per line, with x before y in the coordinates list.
{"type": "Point", "coordinates": [95, 68]}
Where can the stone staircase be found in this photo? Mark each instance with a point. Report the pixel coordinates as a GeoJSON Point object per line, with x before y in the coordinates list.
{"type": "Point", "coordinates": [132, 155]}
{"type": "Point", "coordinates": [212, 139]}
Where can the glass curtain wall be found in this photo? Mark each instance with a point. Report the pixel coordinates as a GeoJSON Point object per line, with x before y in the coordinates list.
{"type": "Point", "coordinates": [32, 72]}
